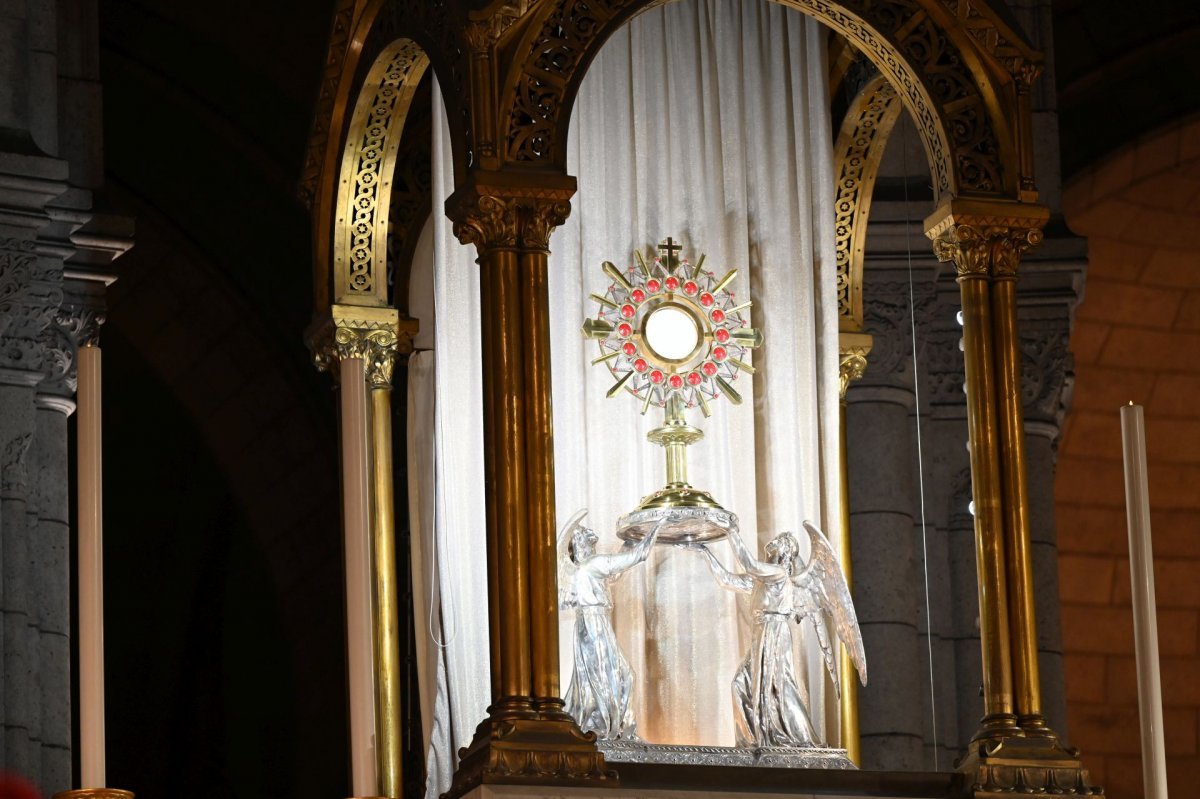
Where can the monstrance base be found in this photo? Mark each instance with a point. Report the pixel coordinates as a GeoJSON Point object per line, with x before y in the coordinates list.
{"type": "Point", "coordinates": [621, 751]}
{"type": "Point", "coordinates": [685, 525]}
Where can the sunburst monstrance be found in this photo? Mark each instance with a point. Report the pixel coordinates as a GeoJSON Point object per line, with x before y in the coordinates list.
{"type": "Point", "coordinates": [675, 337]}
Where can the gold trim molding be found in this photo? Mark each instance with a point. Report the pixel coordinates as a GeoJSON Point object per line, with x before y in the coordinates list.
{"type": "Point", "coordinates": [859, 150]}
{"type": "Point", "coordinates": [368, 164]}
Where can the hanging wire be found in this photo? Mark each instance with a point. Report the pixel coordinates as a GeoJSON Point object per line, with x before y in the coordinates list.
{"type": "Point", "coordinates": [912, 314]}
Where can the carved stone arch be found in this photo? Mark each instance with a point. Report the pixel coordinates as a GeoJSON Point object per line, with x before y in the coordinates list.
{"type": "Point", "coordinates": [364, 38]}
{"type": "Point", "coordinates": [945, 58]}
{"type": "Point", "coordinates": [857, 153]}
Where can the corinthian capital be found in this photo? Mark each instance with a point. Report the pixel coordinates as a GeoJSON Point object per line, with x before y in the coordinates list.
{"type": "Point", "coordinates": [510, 210]}
{"type": "Point", "coordinates": [376, 335]}
{"type": "Point", "coordinates": [985, 239]}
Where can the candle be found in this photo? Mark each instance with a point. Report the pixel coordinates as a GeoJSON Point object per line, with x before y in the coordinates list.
{"type": "Point", "coordinates": [356, 510]}
{"type": "Point", "coordinates": [1145, 625]}
{"type": "Point", "coordinates": [91, 573]}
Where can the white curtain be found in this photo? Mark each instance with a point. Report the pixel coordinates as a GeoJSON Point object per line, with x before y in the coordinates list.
{"type": "Point", "coordinates": [445, 466]}
{"type": "Point", "coordinates": [708, 121]}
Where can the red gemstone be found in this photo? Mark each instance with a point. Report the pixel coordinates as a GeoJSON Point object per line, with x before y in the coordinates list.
{"type": "Point", "coordinates": [629, 347]}
{"type": "Point", "coordinates": [628, 311]}
{"type": "Point", "coordinates": [694, 378]}
{"type": "Point", "coordinates": [690, 288]}
{"type": "Point", "coordinates": [624, 330]}
{"type": "Point", "coordinates": [721, 335]}
{"type": "Point", "coordinates": [656, 376]}
{"type": "Point", "coordinates": [706, 299]}
{"type": "Point", "coordinates": [671, 283]}
{"type": "Point", "coordinates": [709, 368]}
{"type": "Point", "coordinates": [719, 353]}
{"type": "Point", "coordinates": [718, 315]}
{"type": "Point", "coordinates": [637, 295]}
{"type": "Point", "coordinates": [653, 286]}
{"type": "Point", "coordinates": [676, 381]}
{"type": "Point", "coordinates": [639, 365]}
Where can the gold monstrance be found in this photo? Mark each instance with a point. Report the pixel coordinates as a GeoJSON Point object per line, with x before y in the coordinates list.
{"type": "Point", "coordinates": [675, 337]}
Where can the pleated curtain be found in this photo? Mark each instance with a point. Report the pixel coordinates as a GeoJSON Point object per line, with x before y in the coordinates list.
{"type": "Point", "coordinates": [707, 121]}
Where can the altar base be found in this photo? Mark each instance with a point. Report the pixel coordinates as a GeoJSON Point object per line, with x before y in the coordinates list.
{"type": "Point", "coordinates": [759, 757]}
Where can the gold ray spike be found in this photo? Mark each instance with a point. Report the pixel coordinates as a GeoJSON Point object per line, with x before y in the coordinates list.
{"type": "Point", "coordinates": [649, 396]}
{"type": "Point", "coordinates": [611, 270]}
{"type": "Point", "coordinates": [605, 301]}
{"type": "Point", "coordinates": [741, 307]}
{"type": "Point", "coordinates": [729, 391]}
{"type": "Point", "coordinates": [642, 263]}
{"type": "Point", "coordinates": [607, 357]}
{"type": "Point", "coordinates": [745, 367]}
{"type": "Point", "coordinates": [700, 263]}
{"type": "Point", "coordinates": [612, 392]}
{"type": "Point", "coordinates": [725, 281]}
{"type": "Point", "coordinates": [703, 403]}
{"type": "Point", "coordinates": [596, 328]}
{"type": "Point", "coordinates": [750, 337]}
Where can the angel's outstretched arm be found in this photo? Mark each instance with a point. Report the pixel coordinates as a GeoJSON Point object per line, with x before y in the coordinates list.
{"type": "Point", "coordinates": [742, 583]}
{"type": "Point", "coordinates": [614, 564]}
{"type": "Point", "coordinates": [749, 563]}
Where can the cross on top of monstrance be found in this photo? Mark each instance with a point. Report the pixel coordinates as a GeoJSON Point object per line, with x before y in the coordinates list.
{"type": "Point", "coordinates": [674, 337]}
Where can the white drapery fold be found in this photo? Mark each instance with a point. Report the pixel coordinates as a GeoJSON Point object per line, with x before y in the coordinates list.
{"type": "Point", "coordinates": [708, 121]}
{"type": "Point", "coordinates": [446, 493]}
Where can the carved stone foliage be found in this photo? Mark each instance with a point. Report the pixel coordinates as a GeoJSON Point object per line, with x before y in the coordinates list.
{"type": "Point", "coordinates": [918, 57]}
{"type": "Point", "coordinates": [888, 317]}
{"type": "Point", "coordinates": [1047, 369]}
{"type": "Point", "coordinates": [30, 295]}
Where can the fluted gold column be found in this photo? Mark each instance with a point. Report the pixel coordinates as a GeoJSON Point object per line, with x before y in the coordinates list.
{"type": "Point", "coordinates": [854, 348]}
{"type": "Point", "coordinates": [527, 737]}
{"type": "Point", "coordinates": [1013, 749]}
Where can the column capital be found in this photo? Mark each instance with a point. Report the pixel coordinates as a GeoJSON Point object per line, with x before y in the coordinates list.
{"type": "Point", "coordinates": [853, 349]}
{"type": "Point", "coordinates": [510, 209]}
{"type": "Point", "coordinates": [985, 238]}
{"type": "Point", "coordinates": [377, 335]}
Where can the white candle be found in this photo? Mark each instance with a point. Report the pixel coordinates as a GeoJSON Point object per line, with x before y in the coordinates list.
{"type": "Point", "coordinates": [1145, 624]}
{"type": "Point", "coordinates": [356, 521]}
{"type": "Point", "coordinates": [91, 572]}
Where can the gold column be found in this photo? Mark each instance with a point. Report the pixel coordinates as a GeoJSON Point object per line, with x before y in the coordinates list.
{"type": "Point", "coordinates": [854, 348]}
{"type": "Point", "coordinates": [360, 344]}
{"type": "Point", "coordinates": [971, 253]}
{"type": "Point", "coordinates": [1007, 251]}
{"type": "Point", "coordinates": [1013, 751]}
{"type": "Point", "coordinates": [527, 737]}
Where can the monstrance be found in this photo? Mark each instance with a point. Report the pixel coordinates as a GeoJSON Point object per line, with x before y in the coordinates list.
{"type": "Point", "coordinates": [675, 337]}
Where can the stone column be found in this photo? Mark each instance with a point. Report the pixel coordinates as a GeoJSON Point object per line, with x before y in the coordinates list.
{"type": "Point", "coordinates": [527, 736]}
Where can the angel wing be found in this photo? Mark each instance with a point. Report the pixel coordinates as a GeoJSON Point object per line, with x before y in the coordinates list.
{"type": "Point", "coordinates": [825, 598]}
{"type": "Point", "coordinates": [566, 566]}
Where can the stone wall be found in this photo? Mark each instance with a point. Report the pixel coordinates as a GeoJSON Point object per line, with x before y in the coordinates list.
{"type": "Point", "coordinates": [1137, 338]}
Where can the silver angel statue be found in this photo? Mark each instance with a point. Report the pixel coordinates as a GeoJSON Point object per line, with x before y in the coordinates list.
{"type": "Point", "coordinates": [602, 682]}
{"type": "Point", "coordinates": [768, 707]}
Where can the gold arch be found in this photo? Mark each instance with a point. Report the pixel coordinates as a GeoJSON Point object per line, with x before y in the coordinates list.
{"type": "Point", "coordinates": [859, 149]}
{"type": "Point", "coordinates": [958, 70]}
{"type": "Point", "coordinates": [365, 179]}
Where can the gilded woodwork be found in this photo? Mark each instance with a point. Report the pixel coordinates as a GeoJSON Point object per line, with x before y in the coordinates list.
{"type": "Point", "coordinates": [377, 335]}
{"type": "Point", "coordinates": [368, 167]}
{"type": "Point", "coordinates": [859, 149]}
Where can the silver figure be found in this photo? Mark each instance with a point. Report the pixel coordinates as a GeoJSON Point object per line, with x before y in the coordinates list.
{"type": "Point", "coordinates": [768, 707]}
{"type": "Point", "coordinates": [601, 689]}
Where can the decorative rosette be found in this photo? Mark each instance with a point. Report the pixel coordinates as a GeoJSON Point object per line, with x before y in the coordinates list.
{"type": "Point", "coordinates": [670, 329]}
